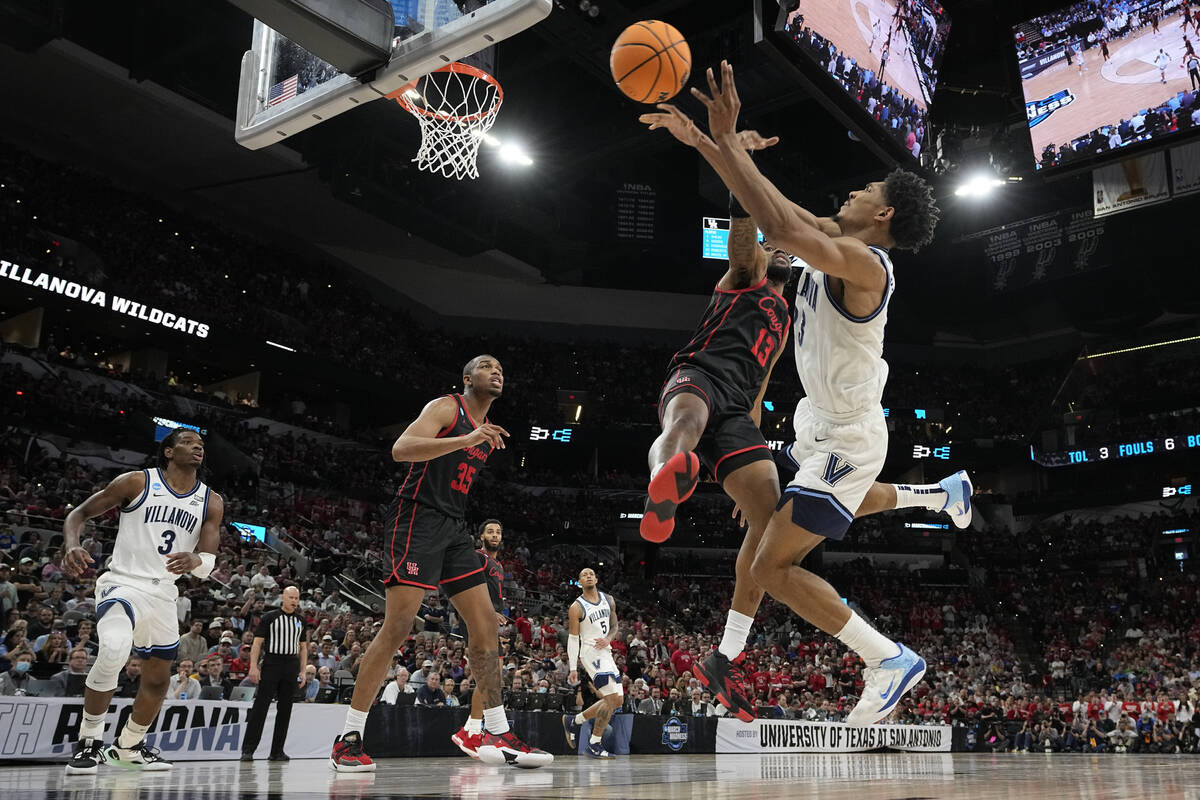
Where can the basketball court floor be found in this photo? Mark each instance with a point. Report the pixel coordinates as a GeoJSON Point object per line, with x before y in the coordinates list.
{"type": "Point", "coordinates": [877, 776]}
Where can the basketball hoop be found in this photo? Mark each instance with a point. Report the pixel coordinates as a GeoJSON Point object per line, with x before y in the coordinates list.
{"type": "Point", "coordinates": [455, 107]}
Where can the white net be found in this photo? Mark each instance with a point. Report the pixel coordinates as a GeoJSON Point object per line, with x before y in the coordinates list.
{"type": "Point", "coordinates": [455, 107]}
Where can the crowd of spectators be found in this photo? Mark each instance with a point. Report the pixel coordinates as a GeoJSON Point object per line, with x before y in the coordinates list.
{"type": "Point", "coordinates": [1044, 650]}
{"type": "Point", "coordinates": [906, 120]}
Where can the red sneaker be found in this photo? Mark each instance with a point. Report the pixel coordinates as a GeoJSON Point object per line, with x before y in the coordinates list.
{"type": "Point", "coordinates": [348, 755]}
{"type": "Point", "coordinates": [467, 742]}
{"type": "Point", "coordinates": [508, 749]}
{"type": "Point", "coordinates": [673, 484]}
{"type": "Point", "coordinates": [724, 678]}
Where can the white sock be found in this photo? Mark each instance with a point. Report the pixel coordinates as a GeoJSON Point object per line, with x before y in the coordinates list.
{"type": "Point", "coordinates": [355, 721]}
{"type": "Point", "coordinates": [869, 643]}
{"type": "Point", "coordinates": [737, 630]}
{"type": "Point", "coordinates": [593, 739]}
{"type": "Point", "coordinates": [92, 726]}
{"type": "Point", "coordinates": [131, 734]}
{"type": "Point", "coordinates": [495, 721]}
{"type": "Point", "coordinates": [929, 495]}
{"type": "Point", "coordinates": [580, 718]}
{"type": "Point", "coordinates": [474, 726]}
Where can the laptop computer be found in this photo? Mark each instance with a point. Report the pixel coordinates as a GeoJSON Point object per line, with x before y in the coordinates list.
{"type": "Point", "coordinates": [243, 694]}
{"type": "Point", "coordinates": [210, 693]}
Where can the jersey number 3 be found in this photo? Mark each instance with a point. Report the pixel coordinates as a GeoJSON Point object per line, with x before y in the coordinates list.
{"type": "Point", "coordinates": [167, 543]}
{"type": "Point", "coordinates": [466, 473]}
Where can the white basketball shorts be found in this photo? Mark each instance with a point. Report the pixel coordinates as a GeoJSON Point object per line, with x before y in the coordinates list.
{"type": "Point", "coordinates": [836, 464]}
{"type": "Point", "coordinates": [602, 669]}
{"type": "Point", "coordinates": [155, 621]}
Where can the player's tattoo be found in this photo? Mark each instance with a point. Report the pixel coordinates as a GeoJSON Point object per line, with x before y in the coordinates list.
{"type": "Point", "coordinates": [487, 680]}
{"type": "Point", "coordinates": [744, 252]}
{"type": "Point", "coordinates": [602, 717]}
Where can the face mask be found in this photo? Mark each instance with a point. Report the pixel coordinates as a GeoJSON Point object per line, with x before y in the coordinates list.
{"type": "Point", "coordinates": [22, 666]}
{"type": "Point", "coordinates": [542, 690]}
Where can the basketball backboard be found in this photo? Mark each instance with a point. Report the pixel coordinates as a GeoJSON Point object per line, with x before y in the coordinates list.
{"type": "Point", "coordinates": [285, 89]}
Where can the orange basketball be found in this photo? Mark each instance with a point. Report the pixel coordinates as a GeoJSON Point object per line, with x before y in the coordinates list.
{"type": "Point", "coordinates": [650, 61]}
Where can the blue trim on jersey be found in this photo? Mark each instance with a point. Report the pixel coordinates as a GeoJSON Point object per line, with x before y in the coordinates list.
{"type": "Point", "coordinates": [105, 605]}
{"type": "Point", "coordinates": [882, 303]}
{"type": "Point", "coordinates": [817, 512]}
{"type": "Point", "coordinates": [166, 652]}
{"type": "Point", "coordinates": [204, 511]}
{"type": "Point", "coordinates": [188, 493]}
{"type": "Point", "coordinates": [145, 492]}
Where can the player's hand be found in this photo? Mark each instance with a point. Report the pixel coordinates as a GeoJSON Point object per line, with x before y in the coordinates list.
{"type": "Point", "coordinates": [739, 516]}
{"type": "Point", "coordinates": [76, 561]}
{"type": "Point", "coordinates": [182, 563]}
{"type": "Point", "coordinates": [501, 620]}
{"type": "Point", "coordinates": [601, 643]}
{"type": "Point", "coordinates": [255, 673]}
{"type": "Point", "coordinates": [489, 433]}
{"type": "Point", "coordinates": [679, 124]}
{"type": "Point", "coordinates": [753, 140]}
{"type": "Point", "coordinates": [724, 105]}
{"type": "Point", "coordinates": [573, 677]}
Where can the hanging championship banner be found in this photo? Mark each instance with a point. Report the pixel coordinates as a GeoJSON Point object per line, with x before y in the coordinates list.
{"type": "Point", "coordinates": [1133, 183]}
{"type": "Point", "coordinates": [195, 730]}
{"type": "Point", "coordinates": [1185, 169]}
{"type": "Point", "coordinates": [796, 736]}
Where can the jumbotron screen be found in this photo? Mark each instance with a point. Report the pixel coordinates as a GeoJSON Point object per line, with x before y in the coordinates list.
{"type": "Point", "coordinates": [885, 54]}
{"type": "Point", "coordinates": [1098, 77]}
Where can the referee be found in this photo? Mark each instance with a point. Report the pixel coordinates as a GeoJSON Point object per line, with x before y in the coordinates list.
{"type": "Point", "coordinates": [283, 662]}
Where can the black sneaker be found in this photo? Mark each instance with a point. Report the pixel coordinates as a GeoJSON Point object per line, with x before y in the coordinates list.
{"type": "Point", "coordinates": [724, 678]}
{"type": "Point", "coordinates": [89, 755]}
{"type": "Point", "coordinates": [278, 757]}
{"type": "Point", "coordinates": [247, 757]}
{"type": "Point", "coordinates": [141, 756]}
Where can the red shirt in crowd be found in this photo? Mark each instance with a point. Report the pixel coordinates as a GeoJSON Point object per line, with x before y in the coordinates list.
{"type": "Point", "coordinates": [681, 662]}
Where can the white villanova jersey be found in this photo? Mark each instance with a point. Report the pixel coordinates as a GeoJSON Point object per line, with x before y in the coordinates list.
{"type": "Point", "coordinates": [597, 619]}
{"type": "Point", "coordinates": [839, 356]}
{"type": "Point", "coordinates": [158, 524]}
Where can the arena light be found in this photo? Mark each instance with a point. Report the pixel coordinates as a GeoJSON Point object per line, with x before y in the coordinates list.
{"type": "Point", "coordinates": [1140, 347]}
{"type": "Point", "coordinates": [979, 185]}
{"type": "Point", "coordinates": [280, 346]}
{"type": "Point", "coordinates": [515, 154]}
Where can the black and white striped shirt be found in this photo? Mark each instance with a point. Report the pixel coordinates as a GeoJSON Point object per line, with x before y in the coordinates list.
{"type": "Point", "coordinates": [281, 633]}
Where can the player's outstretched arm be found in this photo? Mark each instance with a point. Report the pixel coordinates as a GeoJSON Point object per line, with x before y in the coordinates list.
{"type": "Point", "coordinates": [124, 489]}
{"type": "Point", "coordinates": [783, 223]}
{"type": "Point", "coordinates": [420, 441]}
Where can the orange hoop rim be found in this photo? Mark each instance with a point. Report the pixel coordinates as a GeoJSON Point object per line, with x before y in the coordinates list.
{"type": "Point", "coordinates": [454, 66]}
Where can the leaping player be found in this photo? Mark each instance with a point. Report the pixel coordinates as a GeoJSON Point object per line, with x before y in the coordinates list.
{"type": "Point", "coordinates": [753, 486]}
{"type": "Point", "coordinates": [874, 34]}
{"type": "Point", "coordinates": [167, 514]}
{"type": "Point", "coordinates": [469, 738]}
{"type": "Point", "coordinates": [593, 624]}
{"type": "Point", "coordinates": [841, 433]}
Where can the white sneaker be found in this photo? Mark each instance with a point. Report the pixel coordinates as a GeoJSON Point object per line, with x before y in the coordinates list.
{"type": "Point", "coordinates": [958, 498]}
{"type": "Point", "coordinates": [140, 756]}
{"type": "Point", "coordinates": [885, 685]}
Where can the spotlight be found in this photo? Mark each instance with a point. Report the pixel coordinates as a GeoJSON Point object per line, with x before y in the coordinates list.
{"type": "Point", "coordinates": [978, 185]}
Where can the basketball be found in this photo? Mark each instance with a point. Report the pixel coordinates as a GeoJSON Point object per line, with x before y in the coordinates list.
{"type": "Point", "coordinates": [650, 61]}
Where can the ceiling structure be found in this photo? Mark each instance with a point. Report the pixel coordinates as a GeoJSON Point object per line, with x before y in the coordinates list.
{"type": "Point", "coordinates": [583, 135]}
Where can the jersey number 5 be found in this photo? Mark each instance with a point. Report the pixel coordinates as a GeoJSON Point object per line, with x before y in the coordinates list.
{"type": "Point", "coordinates": [168, 542]}
{"type": "Point", "coordinates": [763, 347]}
{"type": "Point", "coordinates": [466, 473]}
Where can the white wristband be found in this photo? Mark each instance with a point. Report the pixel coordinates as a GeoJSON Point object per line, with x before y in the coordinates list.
{"type": "Point", "coordinates": [207, 562]}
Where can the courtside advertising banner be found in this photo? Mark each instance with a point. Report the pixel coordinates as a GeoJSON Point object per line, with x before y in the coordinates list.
{"type": "Point", "coordinates": [1133, 183]}
{"type": "Point", "coordinates": [788, 736]}
{"type": "Point", "coordinates": [194, 730]}
{"type": "Point", "coordinates": [1185, 169]}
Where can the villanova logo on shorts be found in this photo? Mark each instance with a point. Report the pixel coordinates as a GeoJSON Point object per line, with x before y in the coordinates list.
{"type": "Point", "coordinates": [836, 468]}
{"type": "Point", "coordinates": [1040, 110]}
{"type": "Point", "coordinates": [675, 734]}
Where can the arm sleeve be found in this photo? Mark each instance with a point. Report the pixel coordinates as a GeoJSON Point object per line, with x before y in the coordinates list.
{"type": "Point", "coordinates": [572, 652]}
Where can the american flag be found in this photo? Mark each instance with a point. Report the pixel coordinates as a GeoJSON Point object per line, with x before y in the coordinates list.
{"type": "Point", "coordinates": [285, 90]}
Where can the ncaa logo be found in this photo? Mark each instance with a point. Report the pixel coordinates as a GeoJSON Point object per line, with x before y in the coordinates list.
{"type": "Point", "coordinates": [675, 734]}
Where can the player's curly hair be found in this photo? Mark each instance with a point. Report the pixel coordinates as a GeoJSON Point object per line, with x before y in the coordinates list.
{"type": "Point", "coordinates": [916, 212]}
